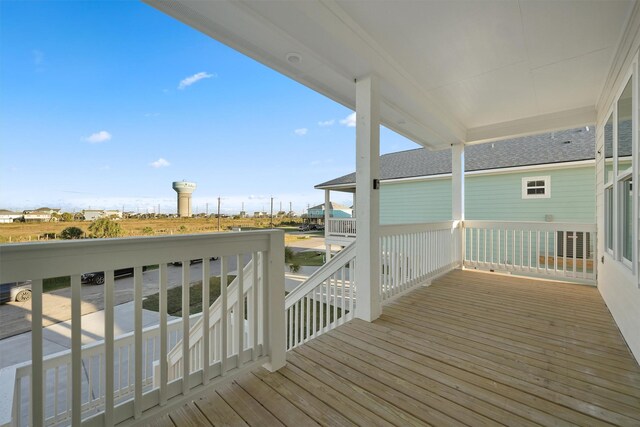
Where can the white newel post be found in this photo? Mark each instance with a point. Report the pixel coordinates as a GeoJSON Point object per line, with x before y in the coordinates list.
{"type": "Point", "coordinates": [367, 199]}
{"type": "Point", "coordinates": [457, 191]}
{"type": "Point", "coordinates": [277, 328]}
{"type": "Point", "coordinates": [327, 215]}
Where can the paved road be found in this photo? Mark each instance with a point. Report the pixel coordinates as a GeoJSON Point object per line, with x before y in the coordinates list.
{"type": "Point", "coordinates": [15, 318]}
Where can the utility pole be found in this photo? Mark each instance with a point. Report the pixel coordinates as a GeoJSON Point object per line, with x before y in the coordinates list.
{"type": "Point", "coordinates": [207, 208]}
{"type": "Point", "coordinates": [290, 210]}
{"type": "Point", "coordinates": [218, 213]}
{"type": "Point", "coordinates": [271, 212]}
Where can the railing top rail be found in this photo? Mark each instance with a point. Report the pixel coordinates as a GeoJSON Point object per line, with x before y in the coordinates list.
{"type": "Point", "coordinates": [391, 229]}
{"type": "Point", "coordinates": [342, 219]}
{"type": "Point", "coordinates": [321, 274]}
{"type": "Point", "coordinates": [23, 261]}
{"type": "Point", "coordinates": [533, 225]}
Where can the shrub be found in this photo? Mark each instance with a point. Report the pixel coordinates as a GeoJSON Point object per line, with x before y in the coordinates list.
{"type": "Point", "coordinates": [288, 254]}
{"type": "Point", "coordinates": [294, 268]}
{"type": "Point", "coordinates": [105, 227]}
{"type": "Point", "coordinates": [147, 230]}
{"type": "Point", "coordinates": [71, 233]}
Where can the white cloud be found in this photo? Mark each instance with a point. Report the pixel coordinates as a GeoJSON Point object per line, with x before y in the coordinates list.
{"type": "Point", "coordinates": [349, 121]}
{"type": "Point", "coordinates": [188, 81]}
{"type": "Point", "coordinates": [160, 163]}
{"type": "Point", "coordinates": [152, 114]}
{"type": "Point", "coordinates": [326, 123]}
{"type": "Point", "coordinates": [301, 131]}
{"type": "Point", "coordinates": [38, 56]}
{"type": "Point", "coordinates": [98, 137]}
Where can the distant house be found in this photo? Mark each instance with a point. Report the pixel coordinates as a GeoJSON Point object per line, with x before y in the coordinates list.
{"type": "Point", "coordinates": [315, 214]}
{"type": "Point", "coordinates": [49, 211]}
{"type": "Point", "coordinates": [10, 216]}
{"type": "Point", "coordinates": [93, 214]}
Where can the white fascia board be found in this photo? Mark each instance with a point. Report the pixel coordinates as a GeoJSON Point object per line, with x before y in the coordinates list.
{"type": "Point", "coordinates": [546, 166]}
{"type": "Point", "coordinates": [516, 169]}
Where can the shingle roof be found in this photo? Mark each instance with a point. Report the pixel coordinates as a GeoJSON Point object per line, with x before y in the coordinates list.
{"type": "Point", "coordinates": [332, 206]}
{"type": "Point", "coordinates": [525, 151]}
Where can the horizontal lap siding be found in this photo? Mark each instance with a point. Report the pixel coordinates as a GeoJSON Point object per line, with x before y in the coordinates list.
{"type": "Point", "coordinates": [499, 197]}
{"type": "Point", "coordinates": [493, 197]}
{"type": "Point", "coordinates": [411, 202]}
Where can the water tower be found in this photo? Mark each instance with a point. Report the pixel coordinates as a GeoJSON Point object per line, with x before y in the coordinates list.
{"type": "Point", "coordinates": [184, 190]}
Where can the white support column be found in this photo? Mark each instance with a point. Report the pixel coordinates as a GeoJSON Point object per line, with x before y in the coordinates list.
{"type": "Point", "coordinates": [367, 199]}
{"type": "Point", "coordinates": [457, 190]}
{"type": "Point", "coordinates": [327, 215]}
{"type": "Point", "coordinates": [277, 327]}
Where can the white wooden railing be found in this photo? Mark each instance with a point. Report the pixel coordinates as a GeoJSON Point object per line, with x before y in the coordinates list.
{"type": "Point", "coordinates": [123, 373]}
{"type": "Point", "coordinates": [556, 250]}
{"type": "Point", "coordinates": [244, 280]}
{"type": "Point", "coordinates": [324, 301]}
{"type": "Point", "coordinates": [57, 369]}
{"type": "Point", "coordinates": [341, 227]}
{"type": "Point", "coordinates": [412, 253]}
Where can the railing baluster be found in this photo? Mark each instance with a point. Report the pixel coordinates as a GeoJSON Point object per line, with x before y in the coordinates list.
{"type": "Point", "coordinates": [314, 318]}
{"type": "Point", "coordinates": [342, 288]}
{"type": "Point", "coordinates": [254, 318]}
{"type": "Point", "coordinates": [224, 315]}
{"type": "Point", "coordinates": [186, 365]}
{"type": "Point", "coordinates": [573, 253]}
{"type": "Point", "coordinates": [76, 353]}
{"type": "Point", "coordinates": [137, 336]}
{"type": "Point", "coordinates": [163, 279]}
{"type": "Point", "coordinates": [37, 378]}
{"type": "Point", "coordinates": [109, 284]}
{"type": "Point", "coordinates": [564, 253]}
{"type": "Point", "coordinates": [206, 305]}
{"type": "Point", "coordinates": [240, 310]}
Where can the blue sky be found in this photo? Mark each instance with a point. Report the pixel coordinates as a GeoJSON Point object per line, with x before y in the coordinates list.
{"type": "Point", "coordinates": [104, 103]}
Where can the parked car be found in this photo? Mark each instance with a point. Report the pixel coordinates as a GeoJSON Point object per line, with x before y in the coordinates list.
{"type": "Point", "coordinates": [97, 278]}
{"type": "Point", "coordinates": [193, 261]}
{"type": "Point", "coordinates": [15, 291]}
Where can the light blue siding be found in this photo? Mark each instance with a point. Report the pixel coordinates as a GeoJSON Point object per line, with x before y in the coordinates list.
{"type": "Point", "coordinates": [496, 197]}
{"type": "Point", "coordinates": [499, 197]}
{"type": "Point", "coordinates": [411, 202]}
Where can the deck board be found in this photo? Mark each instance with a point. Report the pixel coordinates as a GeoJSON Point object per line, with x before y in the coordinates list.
{"type": "Point", "coordinates": [471, 349]}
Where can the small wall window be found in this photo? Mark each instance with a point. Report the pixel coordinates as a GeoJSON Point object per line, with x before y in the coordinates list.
{"type": "Point", "coordinates": [536, 187]}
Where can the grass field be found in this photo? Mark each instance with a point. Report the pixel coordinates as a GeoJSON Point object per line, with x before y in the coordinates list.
{"type": "Point", "coordinates": [34, 231]}
{"type": "Point", "coordinates": [174, 297]}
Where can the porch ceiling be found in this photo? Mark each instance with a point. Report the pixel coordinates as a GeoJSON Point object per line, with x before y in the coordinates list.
{"type": "Point", "coordinates": [450, 71]}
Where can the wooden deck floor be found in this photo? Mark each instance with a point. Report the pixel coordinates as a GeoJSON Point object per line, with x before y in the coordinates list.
{"type": "Point", "coordinates": [472, 349]}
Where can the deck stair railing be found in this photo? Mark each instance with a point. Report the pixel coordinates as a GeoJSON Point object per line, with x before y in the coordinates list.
{"type": "Point", "coordinates": [324, 301]}
{"type": "Point", "coordinates": [245, 278]}
{"type": "Point", "coordinates": [562, 251]}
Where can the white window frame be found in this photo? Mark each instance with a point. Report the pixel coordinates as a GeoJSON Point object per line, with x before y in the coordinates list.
{"type": "Point", "coordinates": [547, 187]}
{"type": "Point", "coordinates": [620, 176]}
{"type": "Point", "coordinates": [610, 220]}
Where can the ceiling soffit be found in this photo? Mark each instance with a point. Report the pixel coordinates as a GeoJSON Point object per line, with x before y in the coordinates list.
{"type": "Point", "coordinates": [450, 71]}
